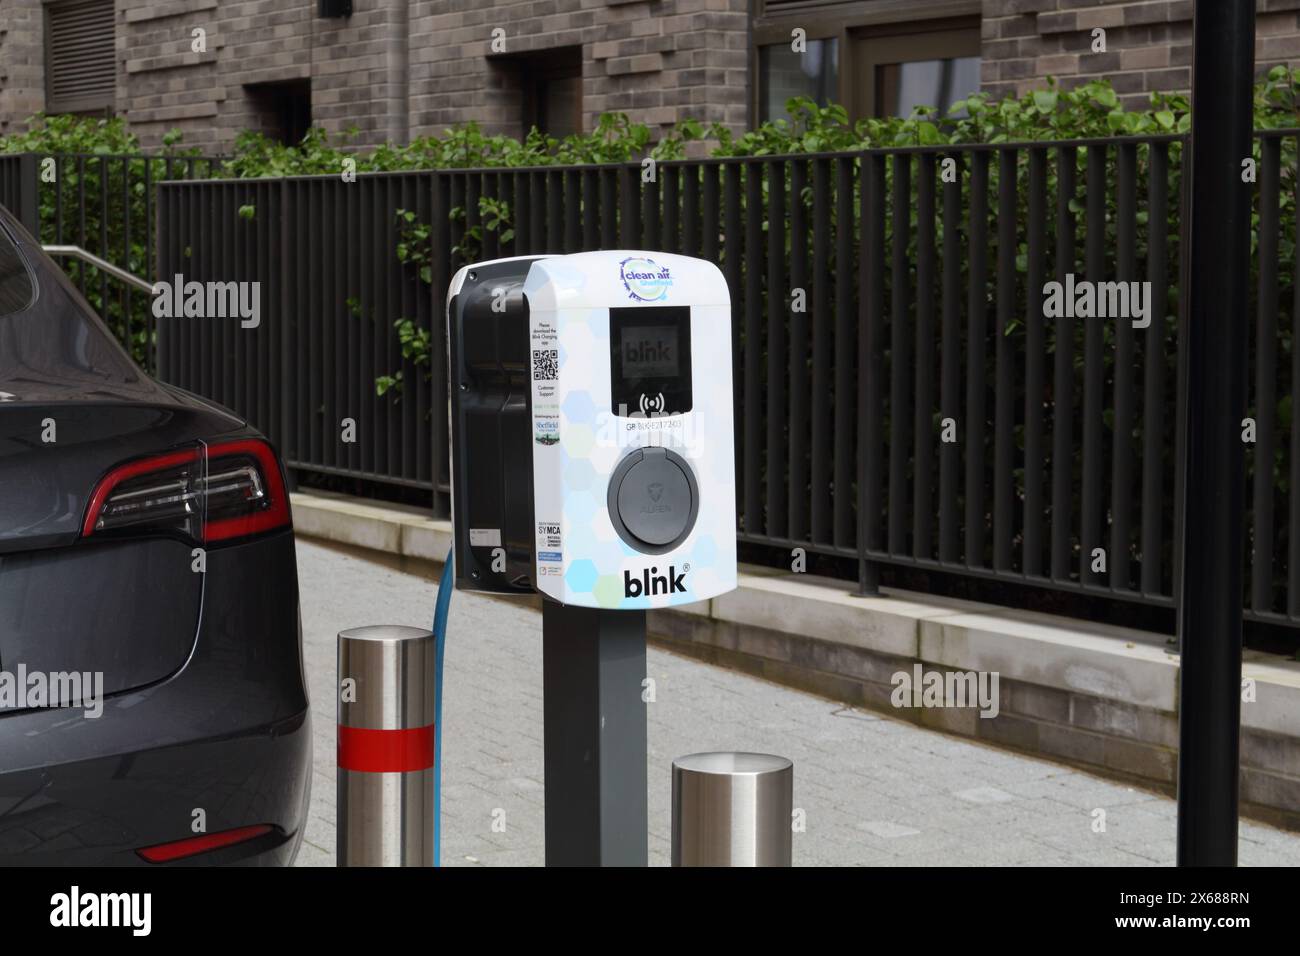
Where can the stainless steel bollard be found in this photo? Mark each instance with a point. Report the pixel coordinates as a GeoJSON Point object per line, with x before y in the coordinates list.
{"type": "Point", "coordinates": [386, 746]}
{"type": "Point", "coordinates": [732, 809]}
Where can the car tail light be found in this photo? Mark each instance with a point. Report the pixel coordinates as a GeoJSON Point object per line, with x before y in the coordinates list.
{"type": "Point", "coordinates": [208, 493]}
{"type": "Point", "coordinates": [192, 846]}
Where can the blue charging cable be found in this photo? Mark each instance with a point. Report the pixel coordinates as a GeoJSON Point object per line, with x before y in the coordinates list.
{"type": "Point", "coordinates": [445, 587]}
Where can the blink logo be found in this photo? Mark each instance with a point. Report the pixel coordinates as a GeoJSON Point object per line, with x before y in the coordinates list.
{"type": "Point", "coordinates": [651, 582]}
{"type": "Point", "coordinates": [646, 350]}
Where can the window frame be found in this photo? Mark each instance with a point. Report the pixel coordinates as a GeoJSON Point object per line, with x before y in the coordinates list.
{"type": "Point", "coordinates": [873, 50]}
{"type": "Point", "coordinates": [534, 111]}
{"type": "Point", "coordinates": [861, 26]}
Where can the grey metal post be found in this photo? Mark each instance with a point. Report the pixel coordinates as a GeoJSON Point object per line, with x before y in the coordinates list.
{"type": "Point", "coordinates": [386, 755]}
{"type": "Point", "coordinates": [732, 809]}
{"type": "Point", "coordinates": [593, 666]}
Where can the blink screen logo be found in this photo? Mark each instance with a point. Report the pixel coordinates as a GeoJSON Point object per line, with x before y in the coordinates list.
{"type": "Point", "coordinates": [651, 582]}
{"type": "Point", "coordinates": [644, 281]}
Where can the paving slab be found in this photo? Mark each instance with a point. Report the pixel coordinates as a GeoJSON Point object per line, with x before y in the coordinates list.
{"type": "Point", "coordinates": [874, 791]}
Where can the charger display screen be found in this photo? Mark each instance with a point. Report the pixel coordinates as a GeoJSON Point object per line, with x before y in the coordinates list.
{"type": "Point", "coordinates": [650, 351]}
{"type": "Point", "coordinates": [650, 361]}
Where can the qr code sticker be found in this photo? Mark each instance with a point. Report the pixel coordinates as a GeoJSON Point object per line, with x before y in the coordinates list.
{"type": "Point", "coordinates": [546, 365]}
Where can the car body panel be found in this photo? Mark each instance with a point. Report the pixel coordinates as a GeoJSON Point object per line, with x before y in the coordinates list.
{"type": "Point", "coordinates": [204, 713]}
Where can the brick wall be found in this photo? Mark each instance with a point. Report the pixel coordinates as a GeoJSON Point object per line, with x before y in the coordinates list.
{"type": "Point", "coordinates": [657, 60]}
{"type": "Point", "coordinates": [397, 69]}
{"type": "Point", "coordinates": [22, 62]}
{"type": "Point", "coordinates": [1148, 43]}
{"type": "Point", "coordinates": [357, 67]}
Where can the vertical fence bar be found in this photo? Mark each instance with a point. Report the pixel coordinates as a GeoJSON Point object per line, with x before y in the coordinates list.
{"type": "Point", "coordinates": [1031, 561]}
{"type": "Point", "coordinates": [555, 217]}
{"type": "Point", "coordinates": [1004, 439]}
{"type": "Point", "coordinates": [60, 167]}
{"type": "Point", "coordinates": [732, 242]}
{"type": "Point", "coordinates": [1121, 492]}
{"type": "Point", "coordinates": [797, 502]}
{"type": "Point", "coordinates": [591, 210]}
{"type": "Point", "coordinates": [950, 365]}
{"type": "Point", "coordinates": [650, 211]}
{"type": "Point", "coordinates": [1266, 347]}
{"type": "Point", "coordinates": [439, 187]}
{"type": "Point", "coordinates": [1063, 373]}
{"type": "Point", "coordinates": [976, 343]}
{"type": "Point", "coordinates": [691, 211]}
{"type": "Point", "coordinates": [709, 214]}
{"type": "Point", "coordinates": [1093, 475]}
{"type": "Point", "coordinates": [822, 333]}
{"type": "Point", "coordinates": [752, 409]}
{"type": "Point", "coordinates": [670, 241]}
{"type": "Point", "coordinates": [537, 206]}
{"type": "Point", "coordinates": [572, 211]}
{"type": "Point", "coordinates": [923, 425]}
{"type": "Point", "coordinates": [871, 363]}
{"type": "Point", "coordinates": [1293, 488]}
{"type": "Point", "coordinates": [81, 221]}
{"type": "Point", "coordinates": [125, 290]}
{"type": "Point", "coordinates": [609, 207]}
{"type": "Point", "coordinates": [900, 383]}
{"type": "Point", "coordinates": [285, 381]}
{"type": "Point", "coordinates": [28, 210]}
{"type": "Point", "coordinates": [630, 205]}
{"type": "Point", "coordinates": [1153, 371]}
{"type": "Point", "coordinates": [778, 490]}
{"type": "Point", "coordinates": [846, 395]}
{"type": "Point", "coordinates": [104, 251]}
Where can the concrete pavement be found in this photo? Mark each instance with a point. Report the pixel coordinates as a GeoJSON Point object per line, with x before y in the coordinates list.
{"type": "Point", "coordinates": [873, 791]}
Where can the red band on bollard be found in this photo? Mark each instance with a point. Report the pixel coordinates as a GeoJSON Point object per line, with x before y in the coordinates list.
{"type": "Point", "coordinates": [385, 751]}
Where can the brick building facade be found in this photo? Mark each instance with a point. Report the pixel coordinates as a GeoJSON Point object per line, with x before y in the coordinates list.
{"type": "Point", "coordinates": [398, 69]}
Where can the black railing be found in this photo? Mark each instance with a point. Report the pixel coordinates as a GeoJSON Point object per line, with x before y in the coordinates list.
{"type": "Point", "coordinates": [103, 203]}
{"type": "Point", "coordinates": [902, 397]}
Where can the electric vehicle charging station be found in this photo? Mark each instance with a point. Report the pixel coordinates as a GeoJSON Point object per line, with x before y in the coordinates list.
{"type": "Point", "coordinates": [593, 462]}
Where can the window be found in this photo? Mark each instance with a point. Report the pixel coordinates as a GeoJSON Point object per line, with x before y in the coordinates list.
{"type": "Point", "coordinates": [283, 109]}
{"type": "Point", "coordinates": [548, 84]}
{"type": "Point", "coordinates": [864, 57]}
{"type": "Point", "coordinates": [901, 87]}
{"type": "Point", "coordinates": [80, 58]}
{"type": "Point", "coordinates": [895, 73]}
{"type": "Point", "coordinates": [784, 74]}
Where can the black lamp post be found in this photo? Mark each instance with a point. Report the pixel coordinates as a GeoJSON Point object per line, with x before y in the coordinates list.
{"type": "Point", "coordinates": [1210, 602]}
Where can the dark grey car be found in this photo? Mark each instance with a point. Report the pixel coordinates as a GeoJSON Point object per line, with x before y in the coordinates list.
{"type": "Point", "coordinates": [152, 701]}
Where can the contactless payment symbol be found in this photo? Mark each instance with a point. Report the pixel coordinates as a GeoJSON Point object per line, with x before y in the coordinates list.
{"type": "Point", "coordinates": [652, 406]}
{"type": "Point", "coordinates": [644, 280]}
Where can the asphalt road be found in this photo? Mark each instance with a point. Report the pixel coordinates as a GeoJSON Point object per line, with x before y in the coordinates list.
{"type": "Point", "coordinates": [874, 791]}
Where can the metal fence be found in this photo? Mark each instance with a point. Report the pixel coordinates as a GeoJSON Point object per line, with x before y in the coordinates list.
{"type": "Point", "coordinates": [901, 396]}
{"type": "Point", "coordinates": [103, 203]}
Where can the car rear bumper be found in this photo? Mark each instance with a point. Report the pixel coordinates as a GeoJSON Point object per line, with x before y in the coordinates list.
{"type": "Point", "coordinates": [225, 741]}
